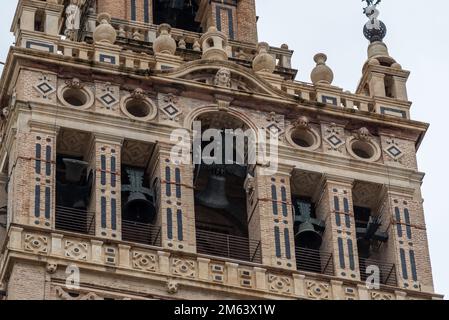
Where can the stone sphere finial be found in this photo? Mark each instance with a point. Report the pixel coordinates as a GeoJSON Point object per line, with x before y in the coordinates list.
{"type": "Point", "coordinates": [214, 44]}
{"type": "Point", "coordinates": [104, 32]}
{"type": "Point", "coordinates": [264, 62]}
{"type": "Point", "coordinates": [164, 43]}
{"type": "Point", "coordinates": [374, 30]}
{"type": "Point", "coordinates": [321, 74]}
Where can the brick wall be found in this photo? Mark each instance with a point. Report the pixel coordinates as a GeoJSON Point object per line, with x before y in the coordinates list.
{"type": "Point", "coordinates": [247, 24]}
{"type": "Point", "coordinates": [27, 282]}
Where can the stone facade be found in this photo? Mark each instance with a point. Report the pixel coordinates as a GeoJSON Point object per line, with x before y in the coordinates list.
{"type": "Point", "coordinates": [108, 100]}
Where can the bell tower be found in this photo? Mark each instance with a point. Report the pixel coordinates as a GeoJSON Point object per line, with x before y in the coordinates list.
{"type": "Point", "coordinates": [236, 18]}
{"type": "Point", "coordinates": [155, 149]}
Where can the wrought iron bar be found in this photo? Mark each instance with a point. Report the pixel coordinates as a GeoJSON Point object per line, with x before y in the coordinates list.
{"type": "Point", "coordinates": [314, 261]}
{"type": "Point", "coordinates": [223, 245]}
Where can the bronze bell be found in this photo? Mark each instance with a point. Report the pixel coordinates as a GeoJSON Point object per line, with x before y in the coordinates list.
{"type": "Point", "coordinates": [214, 195]}
{"type": "Point", "coordinates": [138, 207]}
{"type": "Point", "coordinates": [74, 170]}
{"type": "Point", "coordinates": [308, 237]}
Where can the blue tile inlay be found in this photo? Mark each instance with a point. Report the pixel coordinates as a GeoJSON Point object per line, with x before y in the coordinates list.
{"type": "Point", "coordinates": [274, 196]}
{"type": "Point", "coordinates": [114, 214]}
{"type": "Point", "coordinates": [34, 44]}
{"type": "Point", "coordinates": [336, 204]}
{"type": "Point", "coordinates": [348, 221]}
{"type": "Point", "coordinates": [398, 221]}
{"type": "Point", "coordinates": [341, 253]}
{"type": "Point", "coordinates": [346, 205]}
{"type": "Point", "coordinates": [178, 182]}
{"type": "Point", "coordinates": [48, 161]}
{"type": "Point", "coordinates": [168, 181]}
{"type": "Point", "coordinates": [403, 264]}
{"type": "Point", "coordinates": [413, 265]}
{"type": "Point", "coordinates": [146, 11]}
{"type": "Point", "coordinates": [103, 212]}
{"type": "Point", "coordinates": [37, 201]}
{"type": "Point", "coordinates": [103, 170]}
{"type": "Point", "coordinates": [113, 172]}
{"type": "Point", "coordinates": [288, 253]}
{"type": "Point", "coordinates": [169, 224]}
{"type": "Point", "coordinates": [277, 242]}
{"type": "Point", "coordinates": [38, 157]}
{"type": "Point", "coordinates": [133, 10]}
{"type": "Point", "coordinates": [351, 255]}
{"type": "Point", "coordinates": [47, 202]}
{"type": "Point", "coordinates": [107, 59]}
{"type": "Point", "coordinates": [180, 226]}
{"type": "Point", "coordinates": [408, 228]}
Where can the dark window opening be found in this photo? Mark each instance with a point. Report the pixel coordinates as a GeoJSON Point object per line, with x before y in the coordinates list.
{"type": "Point", "coordinates": [389, 87]}
{"type": "Point", "coordinates": [179, 14]}
{"type": "Point", "coordinates": [138, 207]}
{"type": "Point", "coordinates": [39, 21]}
{"type": "Point", "coordinates": [73, 195]}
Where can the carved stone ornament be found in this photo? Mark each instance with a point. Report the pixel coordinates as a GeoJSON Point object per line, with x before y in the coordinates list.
{"type": "Point", "coordinates": [363, 134]}
{"type": "Point", "coordinates": [75, 83]}
{"type": "Point", "coordinates": [302, 123]}
{"type": "Point", "coordinates": [172, 287]}
{"type": "Point", "coordinates": [52, 267]}
{"type": "Point", "coordinates": [223, 78]}
{"type": "Point", "coordinates": [138, 94]}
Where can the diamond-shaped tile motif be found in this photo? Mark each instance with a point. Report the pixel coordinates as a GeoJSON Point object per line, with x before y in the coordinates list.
{"type": "Point", "coordinates": [44, 87]}
{"type": "Point", "coordinates": [334, 140]}
{"type": "Point", "coordinates": [394, 151]}
{"type": "Point", "coordinates": [171, 110]}
{"type": "Point", "coordinates": [108, 99]}
{"type": "Point", "coordinates": [274, 128]}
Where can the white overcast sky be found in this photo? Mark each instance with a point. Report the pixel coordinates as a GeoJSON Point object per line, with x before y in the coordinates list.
{"type": "Point", "coordinates": [417, 38]}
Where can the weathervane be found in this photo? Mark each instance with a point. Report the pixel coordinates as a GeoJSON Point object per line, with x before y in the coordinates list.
{"type": "Point", "coordinates": [374, 30]}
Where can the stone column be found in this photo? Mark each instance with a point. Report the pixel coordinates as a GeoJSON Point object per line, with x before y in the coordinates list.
{"type": "Point", "coordinates": [377, 85]}
{"type": "Point", "coordinates": [31, 171]}
{"type": "Point", "coordinates": [336, 209]}
{"type": "Point", "coordinates": [105, 161]}
{"type": "Point", "coordinates": [270, 217]}
{"type": "Point", "coordinates": [400, 88]}
{"type": "Point", "coordinates": [175, 200]}
{"type": "Point", "coordinates": [27, 18]}
{"type": "Point", "coordinates": [407, 246]}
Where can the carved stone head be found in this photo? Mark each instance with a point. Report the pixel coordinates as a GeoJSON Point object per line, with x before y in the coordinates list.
{"type": "Point", "coordinates": [302, 122]}
{"type": "Point", "coordinates": [223, 78]}
{"type": "Point", "coordinates": [172, 287]}
{"type": "Point", "coordinates": [363, 134]}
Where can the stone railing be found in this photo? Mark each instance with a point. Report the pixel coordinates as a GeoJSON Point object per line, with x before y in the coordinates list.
{"type": "Point", "coordinates": [192, 270]}
{"type": "Point", "coordinates": [190, 40]}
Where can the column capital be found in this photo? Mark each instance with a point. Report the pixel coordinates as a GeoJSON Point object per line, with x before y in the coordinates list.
{"type": "Point", "coordinates": [107, 138]}
{"type": "Point", "coordinates": [42, 127]}
{"type": "Point", "coordinates": [331, 178]}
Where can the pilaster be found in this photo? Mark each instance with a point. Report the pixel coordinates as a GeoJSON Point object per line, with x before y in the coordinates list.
{"type": "Point", "coordinates": [335, 207]}
{"type": "Point", "coordinates": [105, 161]}
{"type": "Point", "coordinates": [175, 201]}
{"type": "Point", "coordinates": [270, 218]}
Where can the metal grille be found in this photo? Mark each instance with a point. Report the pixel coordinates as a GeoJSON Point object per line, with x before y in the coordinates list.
{"type": "Point", "coordinates": [73, 220]}
{"type": "Point", "coordinates": [314, 261]}
{"type": "Point", "coordinates": [141, 233]}
{"type": "Point", "coordinates": [387, 271]}
{"type": "Point", "coordinates": [223, 245]}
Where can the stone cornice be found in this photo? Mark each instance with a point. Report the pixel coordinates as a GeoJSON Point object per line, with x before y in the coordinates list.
{"type": "Point", "coordinates": [291, 106]}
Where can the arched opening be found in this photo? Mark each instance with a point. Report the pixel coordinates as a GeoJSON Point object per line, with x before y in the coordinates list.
{"type": "Point", "coordinates": [138, 195]}
{"type": "Point", "coordinates": [219, 178]}
{"type": "Point", "coordinates": [39, 21]}
{"type": "Point", "coordinates": [179, 14]}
